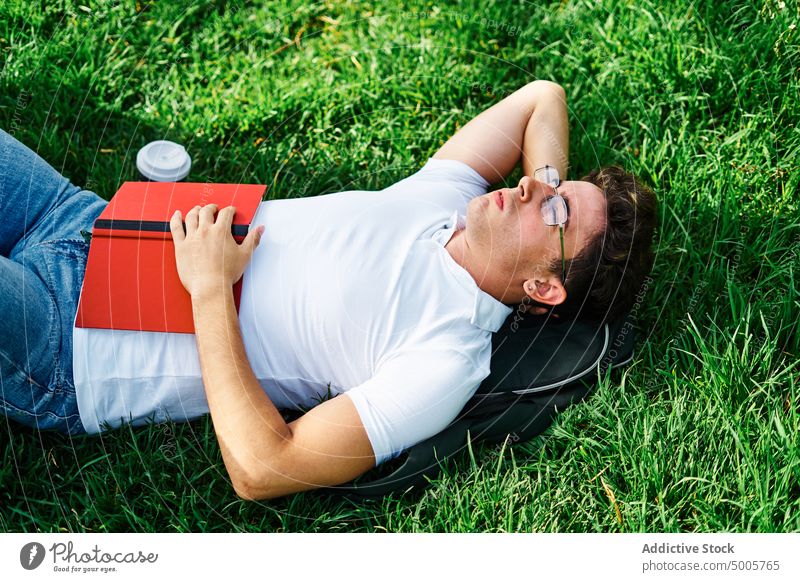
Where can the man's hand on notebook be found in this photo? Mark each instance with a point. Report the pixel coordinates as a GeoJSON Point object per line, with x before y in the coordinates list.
{"type": "Point", "coordinates": [208, 257]}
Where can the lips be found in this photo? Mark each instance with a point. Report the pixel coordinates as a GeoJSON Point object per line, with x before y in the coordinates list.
{"type": "Point", "coordinates": [498, 198]}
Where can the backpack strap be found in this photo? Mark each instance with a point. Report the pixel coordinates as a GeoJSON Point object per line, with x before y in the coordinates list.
{"type": "Point", "coordinates": [527, 416]}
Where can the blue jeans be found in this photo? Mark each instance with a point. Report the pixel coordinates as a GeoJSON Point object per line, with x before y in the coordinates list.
{"type": "Point", "coordinates": [42, 261]}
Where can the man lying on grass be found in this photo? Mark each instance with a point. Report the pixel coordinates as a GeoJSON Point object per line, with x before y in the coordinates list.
{"type": "Point", "coordinates": [372, 309]}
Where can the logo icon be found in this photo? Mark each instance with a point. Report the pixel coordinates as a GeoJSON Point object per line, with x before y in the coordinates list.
{"type": "Point", "coordinates": [31, 555]}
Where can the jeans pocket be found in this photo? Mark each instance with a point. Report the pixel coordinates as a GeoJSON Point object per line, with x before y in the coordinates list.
{"type": "Point", "coordinates": [61, 264]}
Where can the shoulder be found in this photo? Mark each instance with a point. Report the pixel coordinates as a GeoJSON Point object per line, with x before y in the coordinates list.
{"type": "Point", "coordinates": [414, 395]}
{"type": "Point", "coordinates": [447, 169]}
{"type": "Point", "coordinates": [431, 370]}
{"type": "Point", "coordinates": [438, 173]}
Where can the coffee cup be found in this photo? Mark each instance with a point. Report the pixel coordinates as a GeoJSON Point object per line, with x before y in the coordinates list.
{"type": "Point", "coordinates": [163, 161]}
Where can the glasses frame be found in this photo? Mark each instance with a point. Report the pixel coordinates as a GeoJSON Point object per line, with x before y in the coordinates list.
{"type": "Point", "coordinates": [549, 175]}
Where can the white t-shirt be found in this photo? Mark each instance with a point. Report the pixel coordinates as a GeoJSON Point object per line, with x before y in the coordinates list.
{"type": "Point", "coordinates": [351, 293]}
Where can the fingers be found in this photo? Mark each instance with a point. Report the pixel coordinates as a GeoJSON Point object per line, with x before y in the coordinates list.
{"type": "Point", "coordinates": [176, 227]}
{"type": "Point", "coordinates": [226, 216]}
{"type": "Point", "coordinates": [204, 216]}
{"type": "Point", "coordinates": [192, 219]}
{"type": "Point", "coordinates": [252, 239]}
{"type": "Point", "coordinates": [207, 213]}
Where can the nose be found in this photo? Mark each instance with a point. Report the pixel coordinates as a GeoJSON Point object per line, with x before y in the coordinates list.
{"type": "Point", "coordinates": [530, 189]}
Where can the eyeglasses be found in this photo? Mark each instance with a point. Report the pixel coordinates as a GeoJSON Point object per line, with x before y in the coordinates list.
{"type": "Point", "coordinates": [554, 209]}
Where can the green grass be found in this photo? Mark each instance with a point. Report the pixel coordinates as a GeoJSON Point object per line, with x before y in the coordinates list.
{"type": "Point", "coordinates": [700, 433]}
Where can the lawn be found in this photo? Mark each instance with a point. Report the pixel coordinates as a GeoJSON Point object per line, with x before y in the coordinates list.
{"type": "Point", "coordinates": [699, 433]}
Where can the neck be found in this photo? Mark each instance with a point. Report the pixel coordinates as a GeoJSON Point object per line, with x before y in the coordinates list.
{"type": "Point", "coordinates": [459, 249]}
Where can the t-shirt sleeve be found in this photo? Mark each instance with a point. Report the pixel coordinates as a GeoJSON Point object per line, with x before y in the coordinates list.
{"type": "Point", "coordinates": [448, 174]}
{"type": "Point", "coordinates": [413, 396]}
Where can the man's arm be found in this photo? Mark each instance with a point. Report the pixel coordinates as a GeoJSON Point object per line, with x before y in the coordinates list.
{"type": "Point", "coordinates": [531, 123]}
{"type": "Point", "coordinates": [265, 457]}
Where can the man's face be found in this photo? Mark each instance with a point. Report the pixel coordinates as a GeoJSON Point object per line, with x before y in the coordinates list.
{"type": "Point", "coordinates": [505, 229]}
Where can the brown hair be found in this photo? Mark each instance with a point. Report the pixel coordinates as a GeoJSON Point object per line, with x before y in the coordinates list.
{"type": "Point", "coordinates": [604, 278]}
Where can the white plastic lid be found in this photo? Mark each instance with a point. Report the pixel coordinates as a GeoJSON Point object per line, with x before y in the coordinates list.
{"type": "Point", "coordinates": [163, 161]}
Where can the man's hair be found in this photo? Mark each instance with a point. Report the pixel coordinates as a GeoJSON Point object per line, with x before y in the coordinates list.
{"type": "Point", "coordinates": [605, 277]}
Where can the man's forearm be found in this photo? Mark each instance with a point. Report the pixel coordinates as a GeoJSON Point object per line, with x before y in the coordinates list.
{"type": "Point", "coordinates": [546, 139]}
{"type": "Point", "coordinates": [250, 430]}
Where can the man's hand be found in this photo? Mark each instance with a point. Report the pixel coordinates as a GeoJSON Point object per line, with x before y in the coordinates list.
{"type": "Point", "coordinates": [207, 255]}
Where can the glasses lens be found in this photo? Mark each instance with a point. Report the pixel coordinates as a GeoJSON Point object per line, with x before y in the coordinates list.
{"type": "Point", "coordinates": [548, 175]}
{"type": "Point", "coordinates": [554, 211]}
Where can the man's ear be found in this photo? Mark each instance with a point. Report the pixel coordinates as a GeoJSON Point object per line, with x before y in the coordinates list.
{"type": "Point", "coordinates": [548, 290]}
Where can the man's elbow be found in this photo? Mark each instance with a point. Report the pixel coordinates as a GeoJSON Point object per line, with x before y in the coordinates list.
{"type": "Point", "coordinates": [272, 485]}
{"type": "Point", "coordinates": [246, 493]}
{"type": "Point", "coordinates": [257, 491]}
{"type": "Point", "coordinates": [548, 89]}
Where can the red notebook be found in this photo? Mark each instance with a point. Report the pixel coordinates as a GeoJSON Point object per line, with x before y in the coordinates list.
{"type": "Point", "coordinates": [131, 279]}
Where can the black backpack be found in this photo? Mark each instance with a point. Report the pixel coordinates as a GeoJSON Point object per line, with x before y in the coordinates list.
{"type": "Point", "coordinates": [539, 367]}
